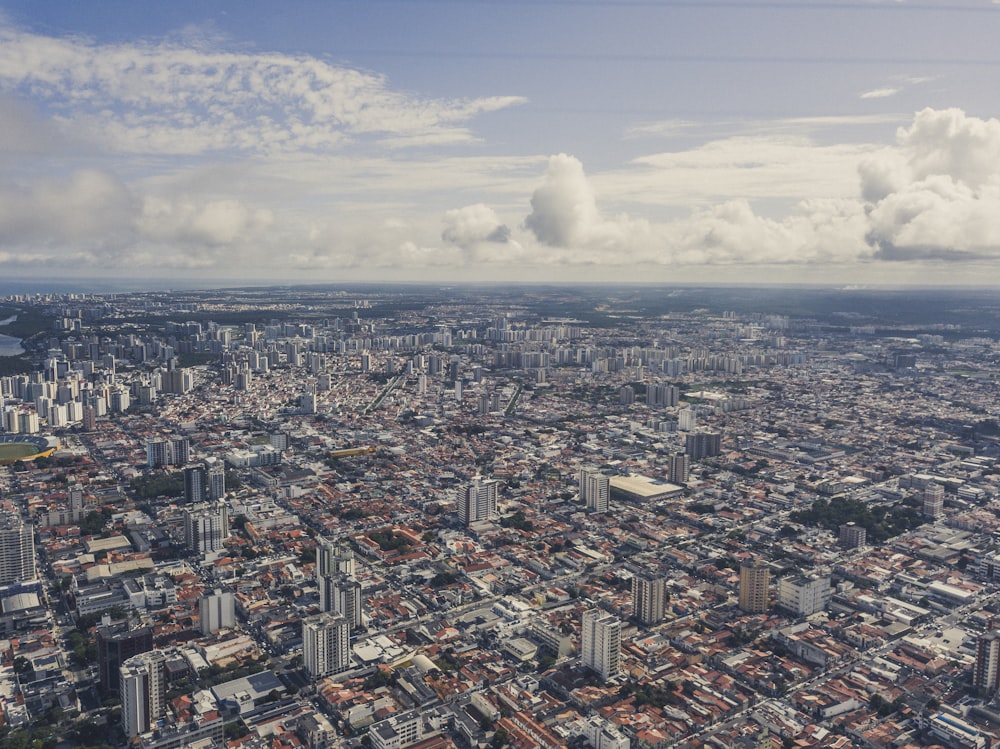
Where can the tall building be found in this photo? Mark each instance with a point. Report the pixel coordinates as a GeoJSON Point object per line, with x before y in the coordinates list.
{"type": "Point", "coordinates": [216, 610]}
{"type": "Point", "coordinates": [216, 479]}
{"type": "Point", "coordinates": [687, 419]}
{"type": "Point", "coordinates": [601, 643]}
{"type": "Point", "coordinates": [933, 500]}
{"type": "Point", "coordinates": [180, 451]}
{"type": "Point", "coordinates": [333, 558]}
{"type": "Point", "coordinates": [195, 483]}
{"type": "Point", "coordinates": [852, 536]}
{"type": "Point", "coordinates": [326, 647]}
{"type": "Point", "coordinates": [116, 643]}
{"type": "Point", "coordinates": [698, 445]}
{"type": "Point", "coordinates": [158, 453]}
{"type": "Point", "coordinates": [662, 394]}
{"type": "Point", "coordinates": [478, 501]}
{"type": "Point", "coordinates": [89, 422]}
{"type": "Point", "coordinates": [804, 596]}
{"type": "Point", "coordinates": [755, 579]}
{"type": "Point", "coordinates": [595, 489]}
{"type": "Point", "coordinates": [986, 673]}
{"type": "Point", "coordinates": [172, 452]}
{"type": "Point", "coordinates": [17, 549]}
{"type": "Point", "coordinates": [206, 527]}
{"type": "Point", "coordinates": [648, 597]}
{"type": "Point", "coordinates": [178, 381]}
{"type": "Point", "coordinates": [341, 594]}
{"type": "Point", "coordinates": [679, 465]}
{"type": "Point", "coordinates": [142, 690]}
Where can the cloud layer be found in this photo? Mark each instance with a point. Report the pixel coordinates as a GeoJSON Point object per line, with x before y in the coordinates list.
{"type": "Point", "coordinates": [119, 158]}
{"type": "Point", "coordinates": [172, 99]}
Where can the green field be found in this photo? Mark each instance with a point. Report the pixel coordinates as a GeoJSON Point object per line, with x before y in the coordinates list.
{"type": "Point", "coordinates": [16, 451]}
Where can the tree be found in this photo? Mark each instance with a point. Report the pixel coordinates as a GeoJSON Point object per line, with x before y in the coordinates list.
{"type": "Point", "coordinates": [500, 738]}
{"type": "Point", "coordinates": [22, 665]}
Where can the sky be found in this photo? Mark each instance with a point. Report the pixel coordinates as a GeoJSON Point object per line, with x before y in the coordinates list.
{"type": "Point", "coordinates": [324, 141]}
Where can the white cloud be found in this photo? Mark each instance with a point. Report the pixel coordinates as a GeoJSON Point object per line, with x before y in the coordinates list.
{"type": "Point", "coordinates": [217, 222]}
{"type": "Point", "coordinates": [172, 99]}
{"type": "Point", "coordinates": [89, 205]}
{"type": "Point", "coordinates": [937, 193]}
{"type": "Point", "coordinates": [566, 217]}
{"type": "Point", "coordinates": [760, 166]}
{"type": "Point", "coordinates": [880, 93]}
{"type": "Point", "coordinates": [472, 225]}
{"type": "Point", "coordinates": [564, 209]}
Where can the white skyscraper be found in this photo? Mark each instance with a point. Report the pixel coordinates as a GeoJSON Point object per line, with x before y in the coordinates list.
{"type": "Point", "coordinates": [142, 690]}
{"type": "Point", "coordinates": [216, 611]}
{"type": "Point", "coordinates": [333, 558]}
{"type": "Point", "coordinates": [478, 501]}
{"type": "Point", "coordinates": [595, 489]}
{"type": "Point", "coordinates": [341, 594]}
{"type": "Point", "coordinates": [17, 549]}
{"type": "Point", "coordinates": [206, 527]}
{"type": "Point", "coordinates": [601, 645]}
{"type": "Point", "coordinates": [326, 647]}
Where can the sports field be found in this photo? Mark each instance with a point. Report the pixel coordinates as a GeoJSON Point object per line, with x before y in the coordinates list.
{"type": "Point", "coordinates": [16, 450]}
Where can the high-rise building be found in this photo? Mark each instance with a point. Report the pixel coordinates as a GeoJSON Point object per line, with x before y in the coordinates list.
{"type": "Point", "coordinates": [326, 647]}
{"type": "Point", "coordinates": [698, 445]}
{"type": "Point", "coordinates": [661, 394]}
{"type": "Point", "coordinates": [852, 536]}
{"type": "Point", "coordinates": [341, 594]}
{"type": "Point", "coordinates": [89, 421]}
{"type": "Point", "coordinates": [333, 558]}
{"type": "Point", "coordinates": [177, 381]}
{"type": "Point", "coordinates": [195, 483]}
{"type": "Point", "coordinates": [687, 419]}
{"type": "Point", "coordinates": [933, 500]}
{"type": "Point", "coordinates": [175, 451]}
{"type": "Point", "coordinates": [216, 610]}
{"type": "Point", "coordinates": [142, 691]}
{"type": "Point", "coordinates": [595, 489]}
{"type": "Point", "coordinates": [755, 579]}
{"type": "Point", "coordinates": [648, 597]}
{"type": "Point", "coordinates": [17, 549]}
{"type": "Point", "coordinates": [216, 479]}
{"type": "Point", "coordinates": [986, 673]}
{"type": "Point", "coordinates": [679, 465]}
{"type": "Point", "coordinates": [478, 501]}
{"type": "Point", "coordinates": [206, 527]}
{"type": "Point", "coordinates": [116, 643]}
{"type": "Point", "coordinates": [804, 596]}
{"type": "Point", "coordinates": [180, 451]}
{"type": "Point", "coordinates": [601, 643]}
{"type": "Point", "coordinates": [157, 453]}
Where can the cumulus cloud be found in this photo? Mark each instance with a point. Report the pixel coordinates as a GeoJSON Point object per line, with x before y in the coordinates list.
{"type": "Point", "coordinates": [216, 222]}
{"type": "Point", "coordinates": [937, 193]}
{"type": "Point", "coordinates": [91, 218]}
{"type": "Point", "coordinates": [564, 209]}
{"type": "Point", "coordinates": [89, 205]}
{"type": "Point", "coordinates": [175, 99]}
{"type": "Point", "coordinates": [472, 225]}
{"type": "Point", "coordinates": [565, 216]}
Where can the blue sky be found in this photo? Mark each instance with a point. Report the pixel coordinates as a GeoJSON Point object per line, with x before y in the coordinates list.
{"type": "Point", "coordinates": [818, 142]}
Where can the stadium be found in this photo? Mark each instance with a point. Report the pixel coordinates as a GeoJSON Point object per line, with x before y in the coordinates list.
{"type": "Point", "coordinates": [14, 447]}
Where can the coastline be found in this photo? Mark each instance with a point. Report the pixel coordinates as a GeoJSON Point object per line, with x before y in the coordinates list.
{"type": "Point", "coordinates": [9, 345]}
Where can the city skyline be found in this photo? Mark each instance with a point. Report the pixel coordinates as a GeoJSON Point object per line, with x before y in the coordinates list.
{"type": "Point", "coordinates": [778, 142]}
